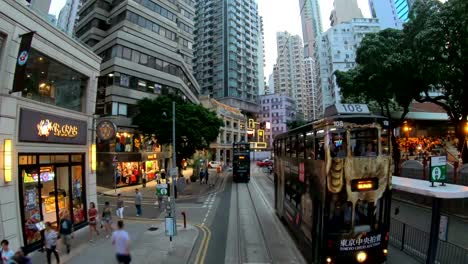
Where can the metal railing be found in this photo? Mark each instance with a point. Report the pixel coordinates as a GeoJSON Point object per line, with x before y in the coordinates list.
{"type": "Point", "coordinates": [415, 242]}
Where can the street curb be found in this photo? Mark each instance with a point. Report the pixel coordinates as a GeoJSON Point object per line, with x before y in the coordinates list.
{"type": "Point", "coordinates": [214, 189]}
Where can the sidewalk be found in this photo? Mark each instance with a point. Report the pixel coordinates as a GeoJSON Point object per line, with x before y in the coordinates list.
{"type": "Point", "coordinates": [192, 189]}
{"type": "Point", "coordinates": [396, 256]}
{"type": "Point", "coordinates": [146, 247]}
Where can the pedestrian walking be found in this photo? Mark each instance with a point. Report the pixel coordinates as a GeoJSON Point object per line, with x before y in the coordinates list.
{"type": "Point", "coordinates": [6, 254]}
{"type": "Point", "coordinates": [202, 175]}
{"type": "Point", "coordinates": [144, 177]}
{"type": "Point", "coordinates": [107, 219]}
{"type": "Point", "coordinates": [66, 231]}
{"type": "Point", "coordinates": [121, 243]}
{"type": "Point", "coordinates": [138, 199]}
{"type": "Point", "coordinates": [51, 237]}
{"type": "Point", "coordinates": [120, 206]}
{"type": "Point", "coordinates": [92, 220]}
{"type": "Point", "coordinates": [206, 176]}
{"type": "Point", "coordinates": [21, 257]}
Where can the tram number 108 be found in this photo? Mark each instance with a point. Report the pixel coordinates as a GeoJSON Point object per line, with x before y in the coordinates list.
{"type": "Point", "coordinates": [353, 108]}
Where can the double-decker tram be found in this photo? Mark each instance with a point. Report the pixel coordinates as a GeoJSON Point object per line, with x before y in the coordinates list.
{"type": "Point", "coordinates": [241, 162]}
{"type": "Point", "coordinates": [333, 185]}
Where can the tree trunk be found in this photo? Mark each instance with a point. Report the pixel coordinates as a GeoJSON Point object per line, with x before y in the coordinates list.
{"type": "Point", "coordinates": [460, 133]}
{"type": "Point", "coordinates": [396, 155]}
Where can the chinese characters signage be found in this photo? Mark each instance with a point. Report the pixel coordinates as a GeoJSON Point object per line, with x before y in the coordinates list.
{"type": "Point", "coordinates": [42, 127]}
{"type": "Point", "coordinates": [359, 243]}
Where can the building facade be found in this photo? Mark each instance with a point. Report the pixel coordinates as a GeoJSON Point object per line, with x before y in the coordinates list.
{"type": "Point", "coordinates": [338, 52]}
{"type": "Point", "coordinates": [290, 70]}
{"type": "Point", "coordinates": [234, 130]}
{"type": "Point", "coordinates": [68, 16]}
{"type": "Point", "coordinates": [311, 20]}
{"type": "Point", "coordinates": [312, 109]}
{"type": "Point", "coordinates": [344, 11]}
{"type": "Point", "coordinates": [47, 101]}
{"type": "Point", "coordinates": [278, 110]}
{"type": "Point", "coordinates": [228, 52]}
{"type": "Point", "coordinates": [146, 48]}
{"type": "Point", "coordinates": [386, 12]}
{"type": "Point", "coordinates": [402, 8]}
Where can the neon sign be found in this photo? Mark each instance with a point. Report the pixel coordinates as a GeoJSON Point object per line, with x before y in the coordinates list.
{"type": "Point", "coordinates": [45, 127]}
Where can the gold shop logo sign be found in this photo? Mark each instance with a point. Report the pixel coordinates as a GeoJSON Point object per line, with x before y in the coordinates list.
{"type": "Point", "coordinates": [45, 127]}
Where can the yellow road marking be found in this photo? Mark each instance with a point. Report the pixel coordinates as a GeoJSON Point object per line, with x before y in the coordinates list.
{"type": "Point", "coordinates": [202, 243]}
{"type": "Point", "coordinates": [207, 242]}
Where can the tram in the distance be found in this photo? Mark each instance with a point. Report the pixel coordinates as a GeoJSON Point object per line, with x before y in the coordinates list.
{"type": "Point", "coordinates": [332, 185]}
{"type": "Point", "coordinates": [241, 161]}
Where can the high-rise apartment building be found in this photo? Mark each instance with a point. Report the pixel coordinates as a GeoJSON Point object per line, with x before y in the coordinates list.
{"type": "Point", "coordinates": [68, 16]}
{"type": "Point", "coordinates": [312, 109]}
{"type": "Point", "coordinates": [290, 69]}
{"type": "Point", "coordinates": [338, 52]}
{"type": "Point", "coordinates": [402, 8]}
{"type": "Point", "coordinates": [228, 52]}
{"type": "Point", "coordinates": [386, 12]}
{"type": "Point", "coordinates": [146, 51]}
{"type": "Point", "coordinates": [311, 25]}
{"type": "Point", "coordinates": [343, 11]}
{"type": "Point", "coordinates": [277, 110]}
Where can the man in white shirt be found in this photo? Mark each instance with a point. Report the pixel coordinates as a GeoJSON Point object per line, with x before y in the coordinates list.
{"type": "Point", "coordinates": [6, 253]}
{"type": "Point", "coordinates": [121, 242]}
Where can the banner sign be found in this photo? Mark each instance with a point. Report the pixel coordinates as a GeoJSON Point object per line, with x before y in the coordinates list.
{"type": "Point", "coordinates": [21, 62]}
{"type": "Point", "coordinates": [46, 128]}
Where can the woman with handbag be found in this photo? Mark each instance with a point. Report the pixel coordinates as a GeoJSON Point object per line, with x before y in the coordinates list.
{"type": "Point", "coordinates": [92, 220]}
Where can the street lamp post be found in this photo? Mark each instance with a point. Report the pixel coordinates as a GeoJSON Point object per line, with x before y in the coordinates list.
{"type": "Point", "coordinates": [174, 164]}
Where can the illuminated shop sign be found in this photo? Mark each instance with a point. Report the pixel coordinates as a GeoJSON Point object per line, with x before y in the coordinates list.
{"type": "Point", "coordinates": [45, 128]}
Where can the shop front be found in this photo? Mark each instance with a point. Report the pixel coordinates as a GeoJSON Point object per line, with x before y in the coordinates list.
{"type": "Point", "coordinates": [50, 187]}
{"type": "Point", "coordinates": [50, 184]}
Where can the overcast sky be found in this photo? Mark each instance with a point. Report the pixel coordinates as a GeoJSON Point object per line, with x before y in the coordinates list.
{"type": "Point", "coordinates": [281, 15]}
{"type": "Point", "coordinates": [278, 15]}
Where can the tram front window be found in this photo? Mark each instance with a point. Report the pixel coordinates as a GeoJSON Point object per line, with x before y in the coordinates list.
{"type": "Point", "coordinates": [366, 216]}
{"type": "Point", "coordinates": [364, 142]}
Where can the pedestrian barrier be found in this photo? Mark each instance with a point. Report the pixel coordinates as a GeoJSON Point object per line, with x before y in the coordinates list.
{"type": "Point", "coordinates": [414, 242]}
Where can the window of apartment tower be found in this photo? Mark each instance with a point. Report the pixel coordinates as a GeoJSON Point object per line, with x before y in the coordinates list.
{"type": "Point", "coordinates": [51, 82]}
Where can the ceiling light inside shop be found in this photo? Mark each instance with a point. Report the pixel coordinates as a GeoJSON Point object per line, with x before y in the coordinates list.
{"type": "Point", "coordinates": [42, 72]}
{"type": "Point", "coordinates": [29, 75]}
{"type": "Point", "coordinates": [40, 58]}
{"type": "Point", "coordinates": [142, 83]}
{"type": "Point", "coordinates": [42, 85]}
{"type": "Point", "coordinates": [110, 75]}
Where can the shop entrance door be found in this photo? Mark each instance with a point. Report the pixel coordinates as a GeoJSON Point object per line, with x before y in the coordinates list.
{"type": "Point", "coordinates": [48, 194]}
{"type": "Point", "coordinates": [62, 195]}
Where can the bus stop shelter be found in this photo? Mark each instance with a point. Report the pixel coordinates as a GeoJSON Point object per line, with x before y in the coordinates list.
{"type": "Point", "coordinates": [438, 192]}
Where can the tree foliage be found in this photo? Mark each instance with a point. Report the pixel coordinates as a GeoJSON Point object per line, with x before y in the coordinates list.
{"type": "Point", "coordinates": [427, 61]}
{"type": "Point", "coordinates": [295, 123]}
{"type": "Point", "coordinates": [196, 126]}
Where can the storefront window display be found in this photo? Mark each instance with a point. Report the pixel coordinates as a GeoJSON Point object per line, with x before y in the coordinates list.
{"type": "Point", "coordinates": [50, 187]}
{"type": "Point", "coordinates": [128, 173]}
{"type": "Point", "coordinates": [127, 142]}
{"type": "Point", "coordinates": [152, 168]}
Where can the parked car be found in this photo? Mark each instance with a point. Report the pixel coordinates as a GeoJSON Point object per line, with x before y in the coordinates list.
{"type": "Point", "coordinates": [214, 164]}
{"type": "Point", "coordinates": [265, 163]}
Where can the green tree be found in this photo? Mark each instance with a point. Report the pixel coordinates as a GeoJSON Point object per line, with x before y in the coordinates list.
{"type": "Point", "coordinates": [438, 33]}
{"type": "Point", "coordinates": [196, 126]}
{"type": "Point", "coordinates": [295, 123]}
{"type": "Point", "coordinates": [427, 61]}
{"type": "Point", "coordinates": [382, 78]}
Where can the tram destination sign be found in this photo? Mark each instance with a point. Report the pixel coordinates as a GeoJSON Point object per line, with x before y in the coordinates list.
{"type": "Point", "coordinates": [42, 127]}
{"type": "Point", "coordinates": [347, 109]}
{"type": "Point", "coordinates": [439, 169]}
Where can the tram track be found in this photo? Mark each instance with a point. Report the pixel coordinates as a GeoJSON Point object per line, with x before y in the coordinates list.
{"type": "Point", "coordinates": [250, 249]}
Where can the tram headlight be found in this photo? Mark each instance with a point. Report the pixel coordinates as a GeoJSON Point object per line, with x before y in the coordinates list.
{"type": "Point", "coordinates": [385, 252]}
{"type": "Point", "coordinates": [361, 256]}
{"type": "Point", "coordinates": [329, 260]}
